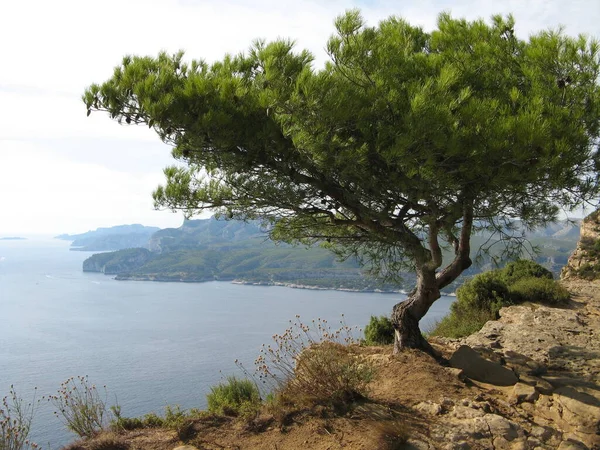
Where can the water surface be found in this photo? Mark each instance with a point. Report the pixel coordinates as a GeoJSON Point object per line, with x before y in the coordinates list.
{"type": "Point", "coordinates": [152, 344]}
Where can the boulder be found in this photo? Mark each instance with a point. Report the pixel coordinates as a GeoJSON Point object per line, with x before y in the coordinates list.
{"type": "Point", "coordinates": [480, 369]}
{"type": "Point", "coordinates": [523, 393]}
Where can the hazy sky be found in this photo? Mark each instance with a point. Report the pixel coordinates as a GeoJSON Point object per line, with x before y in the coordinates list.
{"type": "Point", "coordinates": [61, 171]}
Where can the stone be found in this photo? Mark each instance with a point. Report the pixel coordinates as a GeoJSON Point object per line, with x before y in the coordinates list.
{"type": "Point", "coordinates": [541, 385]}
{"type": "Point", "coordinates": [523, 364]}
{"type": "Point", "coordinates": [501, 427]}
{"type": "Point", "coordinates": [579, 409]}
{"type": "Point", "coordinates": [466, 412]}
{"type": "Point", "coordinates": [186, 447]}
{"type": "Point", "coordinates": [480, 369]}
{"type": "Point", "coordinates": [523, 393]}
{"type": "Point", "coordinates": [541, 433]}
{"type": "Point", "coordinates": [429, 407]}
{"type": "Point", "coordinates": [571, 444]}
{"type": "Point", "coordinates": [458, 373]}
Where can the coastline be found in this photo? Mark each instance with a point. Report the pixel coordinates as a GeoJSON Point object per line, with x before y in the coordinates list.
{"type": "Point", "coordinates": [162, 279]}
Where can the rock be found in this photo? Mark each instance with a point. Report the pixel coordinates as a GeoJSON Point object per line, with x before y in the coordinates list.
{"type": "Point", "coordinates": [579, 409]}
{"type": "Point", "coordinates": [541, 433]}
{"type": "Point", "coordinates": [458, 446]}
{"type": "Point", "coordinates": [571, 444]}
{"type": "Point", "coordinates": [541, 385]}
{"type": "Point", "coordinates": [458, 373]}
{"type": "Point", "coordinates": [480, 369]}
{"type": "Point", "coordinates": [186, 447]}
{"type": "Point", "coordinates": [464, 412]}
{"type": "Point", "coordinates": [523, 364]}
{"type": "Point", "coordinates": [501, 427]}
{"type": "Point", "coordinates": [523, 393]}
{"type": "Point", "coordinates": [429, 407]}
{"type": "Point", "coordinates": [582, 256]}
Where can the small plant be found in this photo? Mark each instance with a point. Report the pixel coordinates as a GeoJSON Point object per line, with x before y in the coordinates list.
{"type": "Point", "coordinates": [456, 326]}
{"type": "Point", "coordinates": [313, 364]}
{"type": "Point", "coordinates": [81, 406]}
{"type": "Point", "coordinates": [15, 422]}
{"type": "Point", "coordinates": [379, 331]}
{"type": "Point", "coordinates": [235, 397]}
{"type": "Point", "coordinates": [391, 434]}
{"type": "Point", "coordinates": [120, 423]}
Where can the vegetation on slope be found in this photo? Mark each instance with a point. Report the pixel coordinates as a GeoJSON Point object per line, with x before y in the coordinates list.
{"type": "Point", "coordinates": [480, 298]}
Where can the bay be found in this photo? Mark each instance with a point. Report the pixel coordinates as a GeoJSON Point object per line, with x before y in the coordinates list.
{"type": "Point", "coordinates": [152, 344]}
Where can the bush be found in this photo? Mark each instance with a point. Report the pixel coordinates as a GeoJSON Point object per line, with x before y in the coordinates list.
{"type": "Point", "coordinates": [523, 268]}
{"type": "Point", "coordinates": [480, 299]}
{"type": "Point", "coordinates": [328, 373]}
{"type": "Point", "coordinates": [542, 290]}
{"type": "Point", "coordinates": [15, 422]}
{"type": "Point", "coordinates": [312, 364]}
{"type": "Point", "coordinates": [379, 331]}
{"type": "Point", "coordinates": [459, 325]}
{"type": "Point", "coordinates": [234, 397]}
{"type": "Point", "coordinates": [82, 408]}
{"type": "Point", "coordinates": [484, 292]}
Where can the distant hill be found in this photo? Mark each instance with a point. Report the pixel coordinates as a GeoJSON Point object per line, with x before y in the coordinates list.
{"type": "Point", "coordinates": [113, 238]}
{"type": "Point", "coordinates": [12, 238]}
{"type": "Point", "coordinates": [211, 249]}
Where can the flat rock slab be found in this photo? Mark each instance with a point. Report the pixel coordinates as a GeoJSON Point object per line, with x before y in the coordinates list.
{"type": "Point", "coordinates": [480, 369]}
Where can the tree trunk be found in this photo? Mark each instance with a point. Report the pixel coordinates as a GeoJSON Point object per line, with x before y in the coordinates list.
{"type": "Point", "coordinates": [407, 314]}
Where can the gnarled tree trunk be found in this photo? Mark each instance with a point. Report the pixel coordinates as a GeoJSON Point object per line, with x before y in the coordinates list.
{"type": "Point", "coordinates": [407, 314]}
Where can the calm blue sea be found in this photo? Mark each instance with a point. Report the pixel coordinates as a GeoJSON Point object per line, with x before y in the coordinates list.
{"type": "Point", "coordinates": [151, 344]}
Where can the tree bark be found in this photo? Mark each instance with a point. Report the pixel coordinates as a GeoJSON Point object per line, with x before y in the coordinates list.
{"type": "Point", "coordinates": [407, 314]}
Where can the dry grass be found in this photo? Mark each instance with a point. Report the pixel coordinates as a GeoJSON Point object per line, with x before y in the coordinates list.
{"type": "Point", "coordinates": [390, 434]}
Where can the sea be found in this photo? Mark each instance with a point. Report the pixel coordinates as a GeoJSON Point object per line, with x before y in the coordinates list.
{"type": "Point", "coordinates": [151, 344]}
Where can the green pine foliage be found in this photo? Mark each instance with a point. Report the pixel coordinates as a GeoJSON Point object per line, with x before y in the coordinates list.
{"type": "Point", "coordinates": [403, 143]}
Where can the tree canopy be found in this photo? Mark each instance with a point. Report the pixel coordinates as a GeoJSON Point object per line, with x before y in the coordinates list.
{"type": "Point", "coordinates": [405, 141]}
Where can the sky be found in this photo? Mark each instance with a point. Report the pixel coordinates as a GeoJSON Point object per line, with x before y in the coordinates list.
{"type": "Point", "coordinates": [63, 172]}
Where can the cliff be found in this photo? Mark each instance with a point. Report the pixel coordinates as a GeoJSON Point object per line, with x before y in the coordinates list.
{"type": "Point", "coordinates": [110, 264]}
{"type": "Point", "coordinates": [584, 263]}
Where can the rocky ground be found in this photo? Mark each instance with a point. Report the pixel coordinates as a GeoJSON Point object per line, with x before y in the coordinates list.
{"type": "Point", "coordinates": [555, 353]}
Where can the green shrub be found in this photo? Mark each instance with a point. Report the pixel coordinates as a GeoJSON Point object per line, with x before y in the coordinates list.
{"type": "Point", "coordinates": [120, 423]}
{"type": "Point", "coordinates": [539, 290]}
{"type": "Point", "coordinates": [233, 397]}
{"type": "Point", "coordinates": [480, 298]}
{"type": "Point", "coordinates": [459, 325]}
{"type": "Point", "coordinates": [153, 420]}
{"type": "Point", "coordinates": [379, 331]}
{"type": "Point", "coordinates": [485, 292]}
{"type": "Point", "coordinates": [523, 268]}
